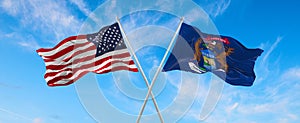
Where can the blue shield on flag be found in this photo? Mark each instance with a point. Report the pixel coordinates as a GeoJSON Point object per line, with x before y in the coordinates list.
{"type": "Point", "coordinates": [224, 56]}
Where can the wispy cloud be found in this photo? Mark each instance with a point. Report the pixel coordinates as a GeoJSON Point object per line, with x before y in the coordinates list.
{"type": "Point", "coordinates": [276, 100]}
{"type": "Point", "coordinates": [263, 65]}
{"type": "Point", "coordinates": [196, 14]}
{"type": "Point", "coordinates": [269, 51]}
{"type": "Point", "coordinates": [292, 73]}
{"type": "Point", "coordinates": [158, 37]}
{"type": "Point", "coordinates": [52, 16]}
{"type": "Point", "coordinates": [169, 5]}
{"type": "Point", "coordinates": [9, 35]}
{"type": "Point", "coordinates": [182, 103]}
{"type": "Point", "coordinates": [83, 7]}
{"type": "Point", "coordinates": [10, 6]}
{"type": "Point", "coordinates": [15, 114]}
{"type": "Point", "coordinates": [111, 9]}
{"type": "Point", "coordinates": [196, 89]}
{"type": "Point", "coordinates": [47, 20]}
{"type": "Point", "coordinates": [216, 7]}
{"type": "Point", "coordinates": [231, 108]}
{"type": "Point", "coordinates": [30, 45]}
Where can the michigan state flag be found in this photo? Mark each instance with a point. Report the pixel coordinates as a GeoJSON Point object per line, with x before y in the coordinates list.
{"type": "Point", "coordinates": [224, 56]}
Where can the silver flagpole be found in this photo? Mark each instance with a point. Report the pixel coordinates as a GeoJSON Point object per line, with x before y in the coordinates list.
{"type": "Point", "coordinates": [140, 68]}
{"type": "Point", "coordinates": [159, 69]}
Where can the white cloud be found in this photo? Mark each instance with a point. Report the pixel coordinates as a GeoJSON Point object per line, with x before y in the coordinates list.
{"type": "Point", "coordinates": [115, 96]}
{"type": "Point", "coordinates": [10, 6]}
{"type": "Point", "coordinates": [217, 7]}
{"type": "Point", "coordinates": [158, 37]}
{"type": "Point", "coordinates": [14, 114]}
{"type": "Point", "coordinates": [111, 9]}
{"type": "Point", "coordinates": [42, 18]}
{"type": "Point", "coordinates": [31, 45]}
{"type": "Point", "coordinates": [271, 49]}
{"type": "Point", "coordinates": [82, 6]}
{"type": "Point", "coordinates": [231, 108]}
{"type": "Point", "coordinates": [84, 9]}
{"type": "Point", "coordinates": [292, 73]}
{"type": "Point", "coordinates": [169, 5]}
{"type": "Point", "coordinates": [53, 16]}
{"type": "Point", "coordinates": [287, 80]}
{"type": "Point", "coordinates": [258, 108]}
{"type": "Point", "coordinates": [263, 66]}
{"type": "Point", "coordinates": [293, 116]}
{"type": "Point", "coordinates": [276, 101]}
{"type": "Point", "coordinates": [9, 35]}
{"type": "Point", "coordinates": [196, 14]}
{"type": "Point", "coordinates": [183, 102]}
{"type": "Point", "coordinates": [199, 110]}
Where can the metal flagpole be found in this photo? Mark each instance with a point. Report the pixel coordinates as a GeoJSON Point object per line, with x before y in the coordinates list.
{"type": "Point", "coordinates": [140, 68]}
{"type": "Point", "coordinates": [159, 69]}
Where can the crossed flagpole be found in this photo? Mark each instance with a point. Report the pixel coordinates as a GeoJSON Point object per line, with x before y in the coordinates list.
{"type": "Point", "coordinates": [149, 93]}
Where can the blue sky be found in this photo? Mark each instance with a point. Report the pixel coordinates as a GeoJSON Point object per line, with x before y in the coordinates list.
{"type": "Point", "coordinates": [28, 25]}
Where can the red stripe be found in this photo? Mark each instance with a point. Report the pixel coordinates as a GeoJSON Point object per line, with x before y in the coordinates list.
{"type": "Point", "coordinates": [63, 68]}
{"type": "Point", "coordinates": [59, 78]}
{"type": "Point", "coordinates": [55, 73]}
{"type": "Point", "coordinates": [62, 42]}
{"type": "Point", "coordinates": [73, 55]}
{"type": "Point", "coordinates": [49, 60]}
{"type": "Point", "coordinates": [52, 83]}
{"type": "Point", "coordinates": [80, 52]}
{"type": "Point", "coordinates": [113, 62]}
{"type": "Point", "coordinates": [87, 66]}
{"type": "Point", "coordinates": [59, 67]}
{"type": "Point", "coordinates": [66, 50]}
{"type": "Point", "coordinates": [119, 68]}
{"type": "Point", "coordinates": [87, 58]}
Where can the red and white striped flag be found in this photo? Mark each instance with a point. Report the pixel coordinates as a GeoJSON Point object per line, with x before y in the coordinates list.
{"type": "Point", "coordinates": [75, 56]}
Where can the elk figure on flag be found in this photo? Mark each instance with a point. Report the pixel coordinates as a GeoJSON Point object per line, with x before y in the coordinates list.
{"type": "Point", "coordinates": [75, 56]}
{"type": "Point", "coordinates": [198, 52]}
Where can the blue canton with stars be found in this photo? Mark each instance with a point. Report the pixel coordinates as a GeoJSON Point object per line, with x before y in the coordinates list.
{"type": "Point", "coordinates": [108, 39]}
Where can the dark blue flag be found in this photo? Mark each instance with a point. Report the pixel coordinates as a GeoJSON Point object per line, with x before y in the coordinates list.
{"type": "Point", "coordinates": [224, 56]}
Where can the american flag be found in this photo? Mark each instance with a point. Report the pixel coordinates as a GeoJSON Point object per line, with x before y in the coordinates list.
{"type": "Point", "coordinates": [75, 56]}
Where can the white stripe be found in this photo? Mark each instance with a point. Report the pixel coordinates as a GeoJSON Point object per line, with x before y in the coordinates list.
{"type": "Point", "coordinates": [67, 54]}
{"type": "Point", "coordinates": [125, 59]}
{"type": "Point", "coordinates": [65, 45]}
{"type": "Point", "coordinates": [111, 53]}
{"type": "Point", "coordinates": [133, 66]}
{"type": "Point", "coordinates": [80, 71]}
{"type": "Point", "coordinates": [116, 52]}
{"type": "Point", "coordinates": [61, 62]}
